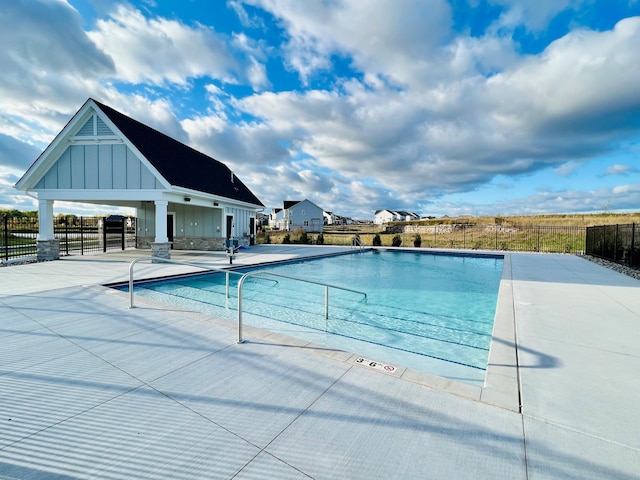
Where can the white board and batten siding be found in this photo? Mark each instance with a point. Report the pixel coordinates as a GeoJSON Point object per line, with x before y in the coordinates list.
{"type": "Point", "coordinates": [98, 167]}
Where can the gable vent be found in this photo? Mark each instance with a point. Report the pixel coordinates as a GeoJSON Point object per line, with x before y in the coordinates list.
{"type": "Point", "coordinates": [87, 129]}
{"type": "Point", "coordinates": [103, 129]}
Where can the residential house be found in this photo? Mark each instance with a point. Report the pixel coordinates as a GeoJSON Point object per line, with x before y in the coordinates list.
{"type": "Point", "coordinates": [329, 218]}
{"type": "Point", "coordinates": [386, 216]}
{"type": "Point", "coordinates": [298, 214]}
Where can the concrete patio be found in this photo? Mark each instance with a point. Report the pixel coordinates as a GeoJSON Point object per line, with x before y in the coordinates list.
{"type": "Point", "coordinates": [92, 389]}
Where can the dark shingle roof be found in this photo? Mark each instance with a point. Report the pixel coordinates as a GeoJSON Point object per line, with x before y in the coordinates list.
{"type": "Point", "coordinates": [290, 203]}
{"type": "Point", "coordinates": [179, 164]}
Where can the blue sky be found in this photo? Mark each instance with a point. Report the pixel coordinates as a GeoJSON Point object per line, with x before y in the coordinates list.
{"type": "Point", "coordinates": [478, 107]}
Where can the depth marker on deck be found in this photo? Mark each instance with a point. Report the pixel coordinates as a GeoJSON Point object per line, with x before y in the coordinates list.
{"type": "Point", "coordinates": [376, 365]}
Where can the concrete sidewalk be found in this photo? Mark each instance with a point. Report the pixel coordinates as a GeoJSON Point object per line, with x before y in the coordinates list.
{"type": "Point", "coordinates": [91, 389]}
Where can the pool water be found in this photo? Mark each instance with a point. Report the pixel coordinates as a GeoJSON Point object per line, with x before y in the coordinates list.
{"type": "Point", "coordinates": [428, 312]}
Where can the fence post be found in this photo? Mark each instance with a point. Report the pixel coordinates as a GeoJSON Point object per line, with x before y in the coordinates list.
{"type": "Point", "coordinates": [538, 248]}
{"type": "Point", "coordinates": [633, 244]}
{"type": "Point", "coordinates": [6, 237]}
{"type": "Point", "coordinates": [81, 236]}
{"type": "Point", "coordinates": [123, 223]}
{"type": "Point", "coordinates": [66, 235]}
{"type": "Point", "coordinates": [496, 237]}
{"type": "Point", "coordinates": [104, 235]}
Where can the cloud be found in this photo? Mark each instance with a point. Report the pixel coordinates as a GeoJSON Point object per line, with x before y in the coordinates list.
{"type": "Point", "coordinates": [16, 154]}
{"type": "Point", "coordinates": [566, 169]}
{"type": "Point", "coordinates": [535, 15]}
{"type": "Point", "coordinates": [158, 50]}
{"type": "Point", "coordinates": [623, 197]}
{"type": "Point", "coordinates": [398, 39]}
{"type": "Point", "coordinates": [49, 67]}
{"type": "Point", "coordinates": [618, 169]}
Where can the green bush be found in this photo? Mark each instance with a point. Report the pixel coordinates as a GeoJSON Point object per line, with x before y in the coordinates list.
{"type": "Point", "coordinates": [320, 240]}
{"type": "Point", "coordinates": [286, 239]}
{"type": "Point", "coordinates": [397, 240]}
{"type": "Point", "coordinates": [377, 242]}
{"type": "Point", "coordinates": [417, 240]}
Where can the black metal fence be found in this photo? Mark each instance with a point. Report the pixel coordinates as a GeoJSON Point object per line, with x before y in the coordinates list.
{"type": "Point", "coordinates": [548, 239]}
{"type": "Point", "coordinates": [618, 243]}
{"type": "Point", "coordinates": [77, 235]}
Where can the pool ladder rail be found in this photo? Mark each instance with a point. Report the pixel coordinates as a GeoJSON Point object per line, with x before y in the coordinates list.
{"type": "Point", "coordinates": [243, 277]}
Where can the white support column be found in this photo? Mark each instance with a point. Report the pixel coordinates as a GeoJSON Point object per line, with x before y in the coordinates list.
{"type": "Point", "coordinates": [45, 220]}
{"type": "Point", "coordinates": [161, 221]}
{"type": "Point", "coordinates": [161, 246]}
{"type": "Point", "coordinates": [48, 248]}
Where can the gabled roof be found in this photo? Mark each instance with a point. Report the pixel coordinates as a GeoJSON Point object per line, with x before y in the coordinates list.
{"type": "Point", "coordinates": [179, 164]}
{"type": "Point", "coordinates": [290, 203]}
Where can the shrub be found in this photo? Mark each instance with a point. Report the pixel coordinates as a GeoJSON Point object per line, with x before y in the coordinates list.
{"type": "Point", "coordinates": [397, 240]}
{"type": "Point", "coordinates": [417, 240]}
{"type": "Point", "coordinates": [286, 239]}
{"type": "Point", "coordinates": [300, 236]}
{"type": "Point", "coordinates": [377, 242]}
{"type": "Point", "coordinates": [320, 240]}
{"type": "Point", "coordinates": [267, 238]}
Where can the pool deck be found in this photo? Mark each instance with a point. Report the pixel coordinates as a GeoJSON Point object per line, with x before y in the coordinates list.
{"type": "Point", "coordinates": [92, 389]}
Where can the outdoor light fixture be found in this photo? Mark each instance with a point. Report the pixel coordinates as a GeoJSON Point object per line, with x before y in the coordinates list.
{"type": "Point", "coordinates": [215, 204]}
{"type": "Point", "coordinates": [187, 199]}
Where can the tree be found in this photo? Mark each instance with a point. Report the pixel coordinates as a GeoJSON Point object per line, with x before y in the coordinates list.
{"type": "Point", "coordinates": [417, 240]}
{"type": "Point", "coordinates": [397, 240]}
{"type": "Point", "coordinates": [377, 242]}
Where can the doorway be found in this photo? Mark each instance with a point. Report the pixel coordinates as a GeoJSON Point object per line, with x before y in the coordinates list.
{"type": "Point", "coordinates": [229, 226]}
{"type": "Point", "coordinates": [252, 231]}
{"type": "Point", "coordinates": [170, 227]}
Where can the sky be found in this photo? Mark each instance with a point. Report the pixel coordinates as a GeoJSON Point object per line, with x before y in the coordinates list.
{"type": "Point", "coordinates": [459, 107]}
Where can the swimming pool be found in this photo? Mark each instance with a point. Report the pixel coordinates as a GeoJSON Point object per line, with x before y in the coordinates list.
{"type": "Point", "coordinates": [424, 311]}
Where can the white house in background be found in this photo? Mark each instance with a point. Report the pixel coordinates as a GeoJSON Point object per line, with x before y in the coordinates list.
{"type": "Point", "coordinates": [329, 218]}
{"type": "Point", "coordinates": [298, 214]}
{"type": "Point", "coordinates": [184, 199]}
{"type": "Point", "coordinates": [386, 216]}
{"type": "Point", "coordinates": [276, 218]}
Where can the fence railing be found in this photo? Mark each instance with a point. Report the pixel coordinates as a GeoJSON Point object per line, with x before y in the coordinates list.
{"type": "Point", "coordinates": [548, 239]}
{"type": "Point", "coordinates": [618, 243]}
{"type": "Point", "coordinates": [77, 235]}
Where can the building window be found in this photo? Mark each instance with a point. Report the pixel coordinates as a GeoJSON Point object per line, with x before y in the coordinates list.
{"type": "Point", "coordinates": [306, 223]}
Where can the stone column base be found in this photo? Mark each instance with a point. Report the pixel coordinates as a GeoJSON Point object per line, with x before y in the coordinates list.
{"type": "Point", "coordinates": [48, 250]}
{"type": "Point", "coordinates": [161, 250]}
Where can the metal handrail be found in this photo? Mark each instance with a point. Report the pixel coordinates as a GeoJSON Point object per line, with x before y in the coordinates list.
{"type": "Point", "coordinates": [177, 262]}
{"type": "Point", "coordinates": [265, 272]}
{"type": "Point", "coordinates": [243, 277]}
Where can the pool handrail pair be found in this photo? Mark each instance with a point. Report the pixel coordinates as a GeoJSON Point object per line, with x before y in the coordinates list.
{"type": "Point", "coordinates": [243, 277]}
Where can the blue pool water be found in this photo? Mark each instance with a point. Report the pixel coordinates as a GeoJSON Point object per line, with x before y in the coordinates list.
{"type": "Point", "coordinates": [428, 312]}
